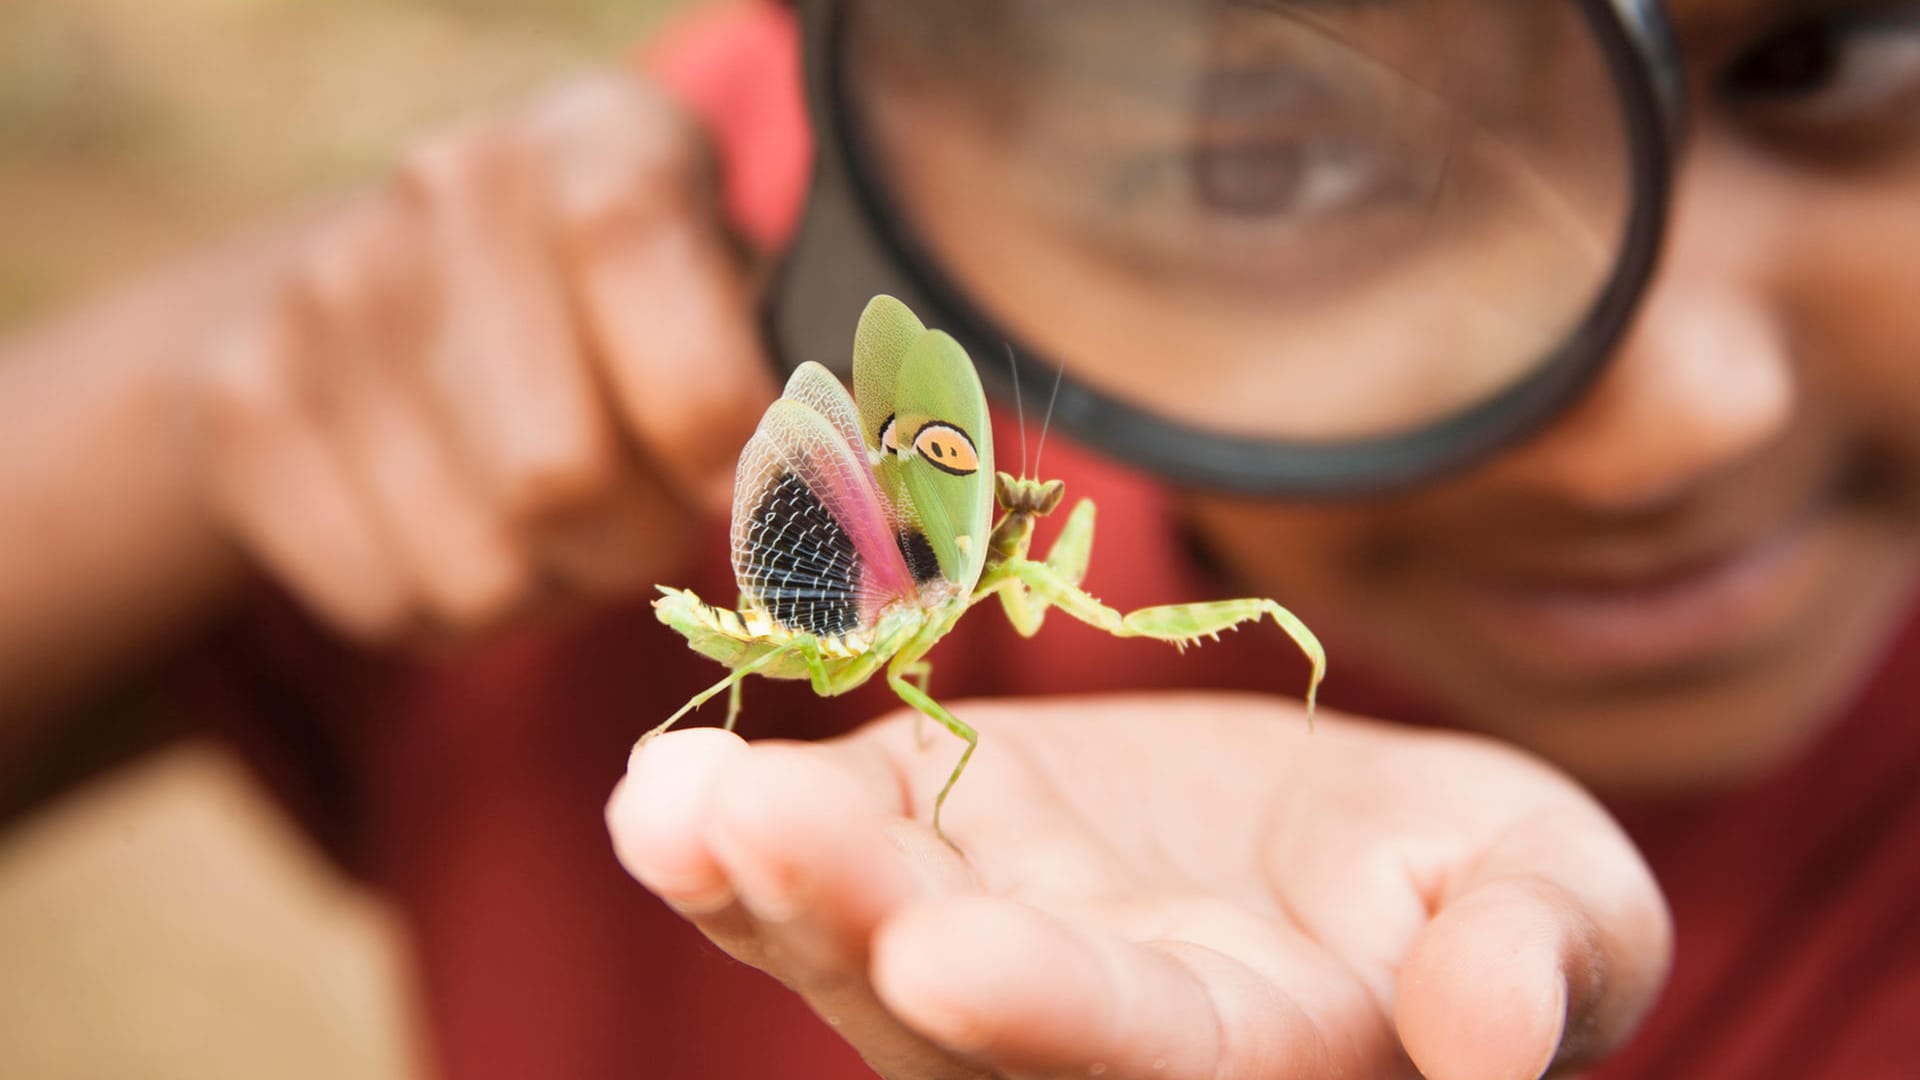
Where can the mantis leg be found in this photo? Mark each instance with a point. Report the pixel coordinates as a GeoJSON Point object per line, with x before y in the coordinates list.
{"type": "Point", "coordinates": [920, 700]}
{"type": "Point", "coordinates": [1068, 557]}
{"type": "Point", "coordinates": [730, 683]}
{"type": "Point", "coordinates": [1022, 610]}
{"type": "Point", "coordinates": [1072, 550]}
{"type": "Point", "coordinates": [855, 672]}
{"type": "Point", "coordinates": [817, 674]}
{"type": "Point", "coordinates": [1179, 624]}
{"type": "Point", "coordinates": [921, 672]}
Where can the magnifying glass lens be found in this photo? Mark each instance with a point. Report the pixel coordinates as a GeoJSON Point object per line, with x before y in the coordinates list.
{"type": "Point", "coordinates": [1310, 221]}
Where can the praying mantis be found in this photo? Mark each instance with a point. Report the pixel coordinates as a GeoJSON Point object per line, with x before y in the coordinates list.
{"type": "Point", "coordinates": [862, 532]}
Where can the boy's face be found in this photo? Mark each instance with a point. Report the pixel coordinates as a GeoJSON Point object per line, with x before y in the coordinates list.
{"type": "Point", "coordinates": [1680, 579]}
{"type": "Point", "coordinates": [1684, 574]}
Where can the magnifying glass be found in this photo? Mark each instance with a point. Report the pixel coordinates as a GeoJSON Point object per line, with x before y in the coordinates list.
{"type": "Point", "coordinates": [1303, 247]}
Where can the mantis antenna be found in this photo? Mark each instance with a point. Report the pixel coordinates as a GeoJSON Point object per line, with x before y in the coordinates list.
{"type": "Point", "coordinates": [1047, 422]}
{"type": "Point", "coordinates": [1019, 407]}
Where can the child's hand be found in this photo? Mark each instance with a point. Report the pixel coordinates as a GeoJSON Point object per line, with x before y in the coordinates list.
{"type": "Point", "coordinates": [509, 376]}
{"type": "Point", "coordinates": [1174, 887]}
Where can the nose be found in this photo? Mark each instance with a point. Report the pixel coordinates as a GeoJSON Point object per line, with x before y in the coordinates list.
{"type": "Point", "coordinates": [1703, 378]}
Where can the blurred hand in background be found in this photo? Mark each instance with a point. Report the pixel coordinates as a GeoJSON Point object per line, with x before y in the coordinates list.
{"type": "Point", "coordinates": [507, 376]}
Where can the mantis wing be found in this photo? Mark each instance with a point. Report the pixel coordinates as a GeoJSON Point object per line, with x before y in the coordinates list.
{"type": "Point", "coordinates": [814, 542]}
{"type": "Point", "coordinates": [815, 387]}
{"type": "Point", "coordinates": [887, 331]}
{"type": "Point", "coordinates": [922, 409]}
{"type": "Point", "coordinates": [944, 461]}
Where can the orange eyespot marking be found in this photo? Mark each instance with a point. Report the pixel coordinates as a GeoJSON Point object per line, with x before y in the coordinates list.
{"type": "Point", "coordinates": [947, 448]}
{"type": "Point", "coordinates": [889, 438]}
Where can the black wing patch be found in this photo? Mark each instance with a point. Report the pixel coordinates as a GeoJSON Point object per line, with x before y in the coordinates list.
{"type": "Point", "coordinates": [800, 565]}
{"type": "Point", "coordinates": [922, 563]}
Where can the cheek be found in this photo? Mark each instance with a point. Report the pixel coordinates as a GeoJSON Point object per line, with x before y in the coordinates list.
{"type": "Point", "coordinates": [1331, 564]}
{"type": "Point", "coordinates": [1851, 281]}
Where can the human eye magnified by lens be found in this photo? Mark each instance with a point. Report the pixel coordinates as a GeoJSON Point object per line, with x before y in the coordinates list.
{"type": "Point", "coordinates": [1286, 156]}
{"type": "Point", "coordinates": [1263, 180]}
{"type": "Point", "coordinates": [1256, 209]}
{"type": "Point", "coordinates": [1262, 162]}
{"type": "Point", "coordinates": [1253, 189]}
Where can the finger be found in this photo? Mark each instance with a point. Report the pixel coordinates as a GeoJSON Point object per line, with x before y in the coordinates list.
{"type": "Point", "coordinates": [364, 279]}
{"type": "Point", "coordinates": [1549, 953]}
{"type": "Point", "coordinates": [669, 306]}
{"type": "Point", "coordinates": [623, 544]}
{"type": "Point", "coordinates": [281, 484]}
{"type": "Point", "coordinates": [1020, 830]}
{"type": "Point", "coordinates": [814, 858]}
{"type": "Point", "coordinates": [658, 814]}
{"type": "Point", "coordinates": [784, 860]}
{"type": "Point", "coordinates": [1487, 987]}
{"type": "Point", "coordinates": [1029, 994]}
{"type": "Point", "coordinates": [507, 365]}
{"type": "Point", "coordinates": [1364, 871]}
{"type": "Point", "coordinates": [808, 849]}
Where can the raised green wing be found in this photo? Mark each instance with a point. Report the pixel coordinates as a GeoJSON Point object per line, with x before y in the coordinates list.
{"type": "Point", "coordinates": [886, 332]}
{"type": "Point", "coordinates": [944, 460]}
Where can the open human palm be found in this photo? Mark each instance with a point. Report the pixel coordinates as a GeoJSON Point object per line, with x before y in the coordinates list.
{"type": "Point", "coordinates": [1167, 886]}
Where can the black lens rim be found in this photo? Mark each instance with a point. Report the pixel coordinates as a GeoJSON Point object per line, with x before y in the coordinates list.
{"type": "Point", "coordinates": [1642, 58]}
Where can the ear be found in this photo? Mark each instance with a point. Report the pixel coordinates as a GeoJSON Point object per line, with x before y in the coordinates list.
{"type": "Point", "coordinates": [946, 453]}
{"type": "Point", "coordinates": [887, 331]}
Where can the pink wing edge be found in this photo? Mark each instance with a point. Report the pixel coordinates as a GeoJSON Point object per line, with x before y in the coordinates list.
{"type": "Point", "coordinates": [797, 436]}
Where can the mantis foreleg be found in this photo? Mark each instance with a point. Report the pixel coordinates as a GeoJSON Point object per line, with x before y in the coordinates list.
{"type": "Point", "coordinates": [1178, 624]}
{"type": "Point", "coordinates": [1073, 548]}
{"type": "Point", "coordinates": [1069, 555]}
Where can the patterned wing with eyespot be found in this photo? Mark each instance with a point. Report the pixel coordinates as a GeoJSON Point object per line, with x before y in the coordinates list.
{"type": "Point", "coordinates": [813, 540]}
{"type": "Point", "coordinates": [943, 464]}
{"type": "Point", "coordinates": [887, 332]}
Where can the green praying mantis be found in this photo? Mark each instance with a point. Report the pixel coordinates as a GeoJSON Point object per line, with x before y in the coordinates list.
{"type": "Point", "coordinates": [863, 531]}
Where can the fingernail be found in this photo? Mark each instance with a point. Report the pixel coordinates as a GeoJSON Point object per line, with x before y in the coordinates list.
{"type": "Point", "coordinates": [1559, 1008]}
{"type": "Point", "coordinates": [698, 902]}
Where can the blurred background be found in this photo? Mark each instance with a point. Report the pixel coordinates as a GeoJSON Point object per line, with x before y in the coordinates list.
{"type": "Point", "coordinates": [162, 917]}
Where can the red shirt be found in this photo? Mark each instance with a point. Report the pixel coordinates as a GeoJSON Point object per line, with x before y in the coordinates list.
{"type": "Point", "coordinates": [472, 790]}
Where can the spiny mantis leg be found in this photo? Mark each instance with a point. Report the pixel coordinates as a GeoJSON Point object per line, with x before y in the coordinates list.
{"type": "Point", "coordinates": [1071, 551]}
{"type": "Point", "coordinates": [1179, 624]}
{"type": "Point", "coordinates": [920, 700]}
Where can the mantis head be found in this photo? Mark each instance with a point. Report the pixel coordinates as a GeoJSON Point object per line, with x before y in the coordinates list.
{"type": "Point", "coordinates": [1035, 498]}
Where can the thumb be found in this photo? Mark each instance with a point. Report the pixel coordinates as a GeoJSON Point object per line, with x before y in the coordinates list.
{"type": "Point", "coordinates": [1550, 953]}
